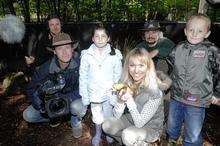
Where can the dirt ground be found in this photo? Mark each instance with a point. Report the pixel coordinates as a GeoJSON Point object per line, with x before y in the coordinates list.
{"type": "Point", "coordinates": [14, 131]}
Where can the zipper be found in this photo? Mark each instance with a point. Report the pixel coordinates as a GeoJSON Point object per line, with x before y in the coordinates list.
{"type": "Point", "coordinates": [184, 91]}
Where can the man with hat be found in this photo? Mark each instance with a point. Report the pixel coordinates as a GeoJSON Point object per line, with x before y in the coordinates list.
{"type": "Point", "coordinates": [159, 47]}
{"type": "Point", "coordinates": [64, 61]}
{"type": "Point", "coordinates": [154, 40]}
{"type": "Point", "coordinates": [157, 44]}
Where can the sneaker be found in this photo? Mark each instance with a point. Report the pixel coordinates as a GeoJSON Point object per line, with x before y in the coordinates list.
{"type": "Point", "coordinates": [77, 130]}
{"type": "Point", "coordinates": [141, 143]}
{"type": "Point", "coordinates": [171, 142]}
{"type": "Point", "coordinates": [109, 139]}
{"type": "Point", "coordinates": [54, 124]}
{"type": "Point", "coordinates": [96, 140]}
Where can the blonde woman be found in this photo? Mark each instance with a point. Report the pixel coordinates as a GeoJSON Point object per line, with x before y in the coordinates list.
{"type": "Point", "coordinates": [138, 114]}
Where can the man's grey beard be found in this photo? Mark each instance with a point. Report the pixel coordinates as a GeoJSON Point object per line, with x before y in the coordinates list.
{"type": "Point", "coordinates": [151, 44]}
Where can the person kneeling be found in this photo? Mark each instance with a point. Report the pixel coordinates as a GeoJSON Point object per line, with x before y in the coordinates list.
{"type": "Point", "coordinates": [54, 87]}
{"type": "Point", "coordinates": [138, 113]}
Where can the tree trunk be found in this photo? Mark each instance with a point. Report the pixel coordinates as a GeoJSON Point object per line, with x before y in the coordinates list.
{"type": "Point", "coordinates": [203, 6]}
{"type": "Point", "coordinates": [99, 9]}
{"type": "Point", "coordinates": [38, 10]}
{"type": "Point", "coordinates": [54, 6]}
{"type": "Point", "coordinates": [187, 10]}
{"type": "Point", "coordinates": [109, 13]}
{"type": "Point", "coordinates": [26, 10]}
{"type": "Point", "coordinates": [11, 7]}
{"type": "Point", "coordinates": [3, 8]}
{"type": "Point", "coordinates": [64, 15]}
{"type": "Point", "coordinates": [77, 10]}
{"type": "Point", "coordinates": [49, 6]}
{"type": "Point", "coordinates": [58, 7]}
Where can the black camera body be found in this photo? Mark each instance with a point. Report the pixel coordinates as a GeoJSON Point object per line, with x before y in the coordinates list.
{"type": "Point", "coordinates": [54, 104]}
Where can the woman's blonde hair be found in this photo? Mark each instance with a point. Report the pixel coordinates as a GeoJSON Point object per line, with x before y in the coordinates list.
{"type": "Point", "coordinates": [150, 81]}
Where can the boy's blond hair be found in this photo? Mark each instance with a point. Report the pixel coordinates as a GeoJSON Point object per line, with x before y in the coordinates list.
{"type": "Point", "coordinates": [200, 16]}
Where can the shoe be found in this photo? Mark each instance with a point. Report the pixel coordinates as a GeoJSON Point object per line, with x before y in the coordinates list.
{"type": "Point", "coordinates": [77, 130]}
{"type": "Point", "coordinates": [109, 139]}
{"type": "Point", "coordinates": [141, 143]}
{"type": "Point", "coordinates": [96, 140]}
{"type": "Point", "coordinates": [54, 124]}
{"type": "Point", "coordinates": [171, 142]}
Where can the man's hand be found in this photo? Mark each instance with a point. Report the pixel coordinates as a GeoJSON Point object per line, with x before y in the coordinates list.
{"type": "Point", "coordinates": [29, 60]}
{"type": "Point", "coordinates": [153, 53]}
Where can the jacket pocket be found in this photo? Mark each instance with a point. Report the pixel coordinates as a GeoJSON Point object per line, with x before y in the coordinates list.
{"type": "Point", "coordinates": [205, 88]}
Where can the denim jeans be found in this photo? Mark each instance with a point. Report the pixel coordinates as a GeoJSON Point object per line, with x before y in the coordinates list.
{"type": "Point", "coordinates": [192, 117]}
{"type": "Point", "coordinates": [76, 108]}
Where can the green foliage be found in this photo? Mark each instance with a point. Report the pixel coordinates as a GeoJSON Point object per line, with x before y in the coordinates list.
{"type": "Point", "coordinates": [103, 10]}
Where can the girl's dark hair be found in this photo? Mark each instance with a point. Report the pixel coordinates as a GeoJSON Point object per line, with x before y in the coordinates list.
{"type": "Point", "coordinates": [100, 26]}
{"type": "Point", "coordinates": [112, 51]}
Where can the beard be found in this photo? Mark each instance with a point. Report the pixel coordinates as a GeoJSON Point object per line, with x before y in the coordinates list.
{"type": "Point", "coordinates": [151, 43]}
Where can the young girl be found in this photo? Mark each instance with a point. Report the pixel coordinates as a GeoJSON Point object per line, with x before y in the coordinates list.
{"type": "Point", "coordinates": [100, 68]}
{"type": "Point", "coordinates": [142, 121]}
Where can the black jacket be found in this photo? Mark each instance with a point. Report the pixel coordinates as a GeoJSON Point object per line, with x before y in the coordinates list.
{"type": "Point", "coordinates": [43, 72]}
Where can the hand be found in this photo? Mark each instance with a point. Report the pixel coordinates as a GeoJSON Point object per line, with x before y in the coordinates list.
{"type": "Point", "coordinates": [153, 53]}
{"type": "Point", "coordinates": [29, 60]}
{"type": "Point", "coordinates": [163, 86]}
{"type": "Point", "coordinates": [125, 94]}
{"type": "Point", "coordinates": [215, 100]}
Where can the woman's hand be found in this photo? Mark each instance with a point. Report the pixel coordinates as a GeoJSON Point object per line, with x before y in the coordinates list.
{"type": "Point", "coordinates": [125, 94]}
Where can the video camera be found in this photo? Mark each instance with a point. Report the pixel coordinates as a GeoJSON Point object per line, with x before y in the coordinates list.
{"type": "Point", "coordinates": [53, 103]}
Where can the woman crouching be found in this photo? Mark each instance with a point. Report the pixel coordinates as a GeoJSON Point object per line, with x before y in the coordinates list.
{"type": "Point", "coordinates": [138, 113]}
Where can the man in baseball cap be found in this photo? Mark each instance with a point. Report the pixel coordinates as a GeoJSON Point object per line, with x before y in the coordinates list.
{"type": "Point", "coordinates": [65, 62]}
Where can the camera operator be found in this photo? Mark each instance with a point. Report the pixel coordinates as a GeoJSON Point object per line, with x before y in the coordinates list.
{"type": "Point", "coordinates": [65, 61]}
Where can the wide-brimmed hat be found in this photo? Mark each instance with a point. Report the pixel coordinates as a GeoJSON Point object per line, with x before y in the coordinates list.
{"type": "Point", "coordinates": [151, 26]}
{"type": "Point", "coordinates": [63, 39]}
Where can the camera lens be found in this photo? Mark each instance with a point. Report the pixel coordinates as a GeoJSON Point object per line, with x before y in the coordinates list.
{"type": "Point", "coordinates": [57, 105]}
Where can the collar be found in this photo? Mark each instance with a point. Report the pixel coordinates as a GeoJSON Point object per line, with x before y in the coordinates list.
{"type": "Point", "coordinates": [199, 45]}
{"type": "Point", "coordinates": [106, 49]}
{"type": "Point", "coordinates": [55, 67]}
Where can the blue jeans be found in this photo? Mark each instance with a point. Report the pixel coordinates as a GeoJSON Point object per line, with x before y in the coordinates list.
{"type": "Point", "coordinates": [192, 117]}
{"type": "Point", "coordinates": [76, 108]}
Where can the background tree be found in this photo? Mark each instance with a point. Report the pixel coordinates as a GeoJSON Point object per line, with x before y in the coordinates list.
{"type": "Point", "coordinates": [104, 10]}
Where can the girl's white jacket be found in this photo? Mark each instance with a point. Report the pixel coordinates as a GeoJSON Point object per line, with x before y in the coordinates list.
{"type": "Point", "coordinates": [98, 73]}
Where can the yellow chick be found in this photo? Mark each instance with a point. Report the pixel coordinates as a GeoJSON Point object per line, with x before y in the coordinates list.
{"type": "Point", "coordinates": [119, 86]}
